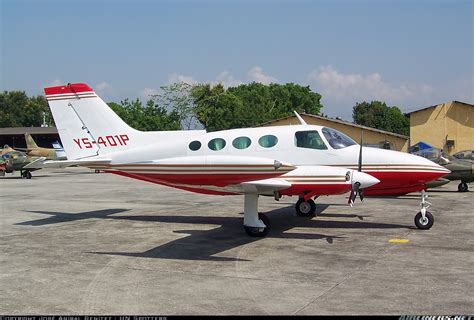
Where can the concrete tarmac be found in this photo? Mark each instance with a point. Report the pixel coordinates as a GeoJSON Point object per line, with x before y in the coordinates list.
{"type": "Point", "coordinates": [76, 242]}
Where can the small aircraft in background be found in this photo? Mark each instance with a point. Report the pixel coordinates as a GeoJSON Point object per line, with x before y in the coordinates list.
{"type": "Point", "coordinates": [465, 155]}
{"type": "Point", "coordinates": [14, 160]}
{"type": "Point", "coordinates": [461, 169]}
{"type": "Point", "coordinates": [304, 160]}
{"type": "Point", "coordinates": [29, 159]}
{"type": "Point", "coordinates": [32, 149]}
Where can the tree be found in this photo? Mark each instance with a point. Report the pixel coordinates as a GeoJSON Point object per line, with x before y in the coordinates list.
{"type": "Point", "coordinates": [377, 114]}
{"type": "Point", "coordinates": [177, 98]}
{"type": "Point", "coordinates": [19, 110]}
{"type": "Point", "coordinates": [246, 105]}
{"type": "Point", "coordinates": [150, 117]}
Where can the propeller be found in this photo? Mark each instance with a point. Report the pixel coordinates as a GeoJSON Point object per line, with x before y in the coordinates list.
{"type": "Point", "coordinates": [356, 186]}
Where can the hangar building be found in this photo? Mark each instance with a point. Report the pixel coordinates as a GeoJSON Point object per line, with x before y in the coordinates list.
{"type": "Point", "coordinates": [448, 126]}
{"type": "Point", "coordinates": [372, 137]}
{"type": "Point", "coordinates": [15, 137]}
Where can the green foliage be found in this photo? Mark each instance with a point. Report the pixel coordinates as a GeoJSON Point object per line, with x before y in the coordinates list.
{"type": "Point", "coordinates": [19, 110]}
{"type": "Point", "coordinates": [377, 114]}
{"type": "Point", "coordinates": [181, 105]}
{"type": "Point", "coordinates": [149, 117]}
{"type": "Point", "coordinates": [177, 98]}
{"type": "Point", "coordinates": [246, 105]}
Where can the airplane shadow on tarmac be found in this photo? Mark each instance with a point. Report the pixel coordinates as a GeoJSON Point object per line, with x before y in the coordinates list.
{"type": "Point", "coordinates": [205, 244]}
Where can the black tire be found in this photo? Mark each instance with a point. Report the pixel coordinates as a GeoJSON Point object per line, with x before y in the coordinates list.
{"type": "Point", "coordinates": [28, 175]}
{"type": "Point", "coordinates": [463, 187]}
{"type": "Point", "coordinates": [97, 171]}
{"type": "Point", "coordinates": [427, 223]}
{"type": "Point", "coordinates": [259, 232]}
{"type": "Point", "coordinates": [305, 208]}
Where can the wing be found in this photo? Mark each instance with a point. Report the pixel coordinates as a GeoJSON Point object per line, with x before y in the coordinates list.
{"type": "Point", "coordinates": [215, 171]}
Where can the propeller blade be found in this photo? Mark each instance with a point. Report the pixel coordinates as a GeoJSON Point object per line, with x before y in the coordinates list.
{"type": "Point", "coordinates": [350, 201]}
{"type": "Point", "coordinates": [361, 195]}
{"type": "Point", "coordinates": [354, 192]}
{"type": "Point", "coordinates": [360, 151]}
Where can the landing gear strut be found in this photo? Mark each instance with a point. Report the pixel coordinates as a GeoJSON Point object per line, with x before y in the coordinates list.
{"type": "Point", "coordinates": [305, 208]}
{"type": "Point", "coordinates": [255, 224]}
{"type": "Point", "coordinates": [463, 187]}
{"type": "Point", "coordinates": [26, 174]}
{"type": "Point", "coordinates": [424, 219]}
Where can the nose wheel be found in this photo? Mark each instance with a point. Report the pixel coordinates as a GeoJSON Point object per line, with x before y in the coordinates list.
{"type": "Point", "coordinates": [424, 219]}
{"type": "Point", "coordinates": [305, 208]}
{"type": "Point", "coordinates": [424, 222]}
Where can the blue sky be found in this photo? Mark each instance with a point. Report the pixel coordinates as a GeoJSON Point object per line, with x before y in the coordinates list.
{"type": "Point", "coordinates": [407, 53]}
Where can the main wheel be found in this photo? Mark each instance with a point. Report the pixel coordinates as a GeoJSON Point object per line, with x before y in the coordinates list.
{"type": "Point", "coordinates": [424, 224]}
{"type": "Point", "coordinates": [28, 175]}
{"type": "Point", "coordinates": [259, 232]}
{"type": "Point", "coordinates": [463, 187]}
{"type": "Point", "coordinates": [305, 208]}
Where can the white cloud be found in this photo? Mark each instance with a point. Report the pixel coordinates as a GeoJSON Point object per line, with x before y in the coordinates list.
{"type": "Point", "coordinates": [103, 86]}
{"type": "Point", "coordinates": [227, 80]}
{"type": "Point", "coordinates": [341, 91]}
{"type": "Point", "coordinates": [54, 83]}
{"type": "Point", "coordinates": [353, 87]}
{"type": "Point", "coordinates": [256, 74]}
{"type": "Point", "coordinates": [147, 92]}
{"type": "Point", "coordinates": [174, 77]}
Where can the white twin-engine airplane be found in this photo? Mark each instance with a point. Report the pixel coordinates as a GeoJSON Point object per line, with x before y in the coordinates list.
{"type": "Point", "coordinates": [303, 160]}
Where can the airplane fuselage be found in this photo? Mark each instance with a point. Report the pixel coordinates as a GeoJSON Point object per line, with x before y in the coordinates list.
{"type": "Point", "coordinates": [302, 146]}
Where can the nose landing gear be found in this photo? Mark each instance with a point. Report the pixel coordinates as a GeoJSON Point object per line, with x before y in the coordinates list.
{"type": "Point", "coordinates": [424, 219]}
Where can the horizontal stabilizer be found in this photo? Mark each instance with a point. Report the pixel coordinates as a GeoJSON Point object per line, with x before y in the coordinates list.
{"type": "Point", "coordinates": [70, 163]}
{"type": "Point", "coordinates": [36, 164]}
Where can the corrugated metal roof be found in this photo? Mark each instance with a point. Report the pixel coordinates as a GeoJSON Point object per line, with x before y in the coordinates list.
{"type": "Point", "coordinates": [339, 121]}
{"type": "Point", "coordinates": [30, 130]}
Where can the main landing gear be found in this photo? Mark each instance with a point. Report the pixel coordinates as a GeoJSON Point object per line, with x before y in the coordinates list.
{"type": "Point", "coordinates": [305, 208]}
{"type": "Point", "coordinates": [25, 174]}
{"type": "Point", "coordinates": [255, 224]}
{"type": "Point", "coordinates": [424, 219]}
{"type": "Point", "coordinates": [463, 187]}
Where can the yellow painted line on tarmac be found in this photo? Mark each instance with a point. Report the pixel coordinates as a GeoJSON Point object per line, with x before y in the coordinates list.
{"type": "Point", "coordinates": [399, 240]}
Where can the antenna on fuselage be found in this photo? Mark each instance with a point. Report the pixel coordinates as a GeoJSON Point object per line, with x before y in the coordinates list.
{"type": "Point", "coordinates": [299, 118]}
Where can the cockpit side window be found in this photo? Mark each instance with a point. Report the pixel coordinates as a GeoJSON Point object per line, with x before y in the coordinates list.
{"type": "Point", "coordinates": [336, 139]}
{"type": "Point", "coordinates": [309, 139]}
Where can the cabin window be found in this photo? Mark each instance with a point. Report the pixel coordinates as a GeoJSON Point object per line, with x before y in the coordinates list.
{"type": "Point", "coordinates": [336, 139]}
{"type": "Point", "coordinates": [241, 143]}
{"type": "Point", "coordinates": [268, 141]}
{"type": "Point", "coordinates": [195, 145]}
{"type": "Point", "coordinates": [309, 139]}
{"type": "Point", "coordinates": [216, 144]}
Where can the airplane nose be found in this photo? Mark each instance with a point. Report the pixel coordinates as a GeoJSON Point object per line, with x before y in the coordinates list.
{"type": "Point", "coordinates": [365, 180]}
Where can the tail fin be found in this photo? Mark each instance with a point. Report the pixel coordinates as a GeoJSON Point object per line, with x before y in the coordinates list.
{"type": "Point", "coordinates": [30, 142]}
{"type": "Point", "coordinates": [60, 154]}
{"type": "Point", "coordinates": [86, 124]}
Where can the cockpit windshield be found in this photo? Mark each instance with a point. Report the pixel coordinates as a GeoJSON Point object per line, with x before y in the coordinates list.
{"type": "Point", "coordinates": [336, 139]}
{"type": "Point", "coordinates": [435, 155]}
